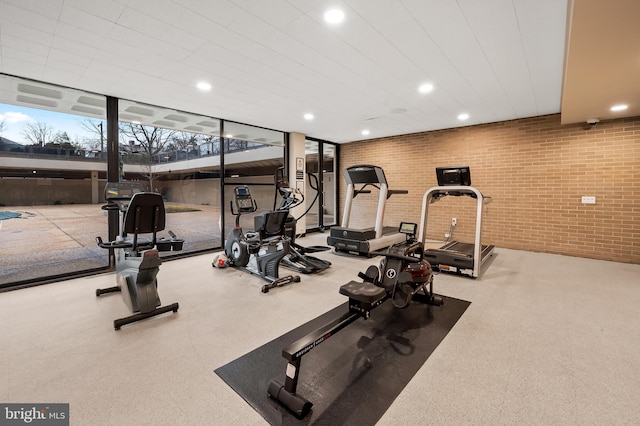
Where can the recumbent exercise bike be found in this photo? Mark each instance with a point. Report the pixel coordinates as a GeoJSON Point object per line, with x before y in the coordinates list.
{"type": "Point", "coordinates": [259, 252]}
{"type": "Point", "coordinates": [137, 259]}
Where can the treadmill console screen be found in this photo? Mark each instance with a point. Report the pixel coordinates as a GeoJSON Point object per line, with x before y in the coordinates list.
{"type": "Point", "coordinates": [408, 228]}
{"type": "Point", "coordinates": [453, 176]}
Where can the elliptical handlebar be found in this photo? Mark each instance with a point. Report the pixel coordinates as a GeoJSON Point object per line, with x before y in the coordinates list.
{"type": "Point", "coordinates": [291, 197]}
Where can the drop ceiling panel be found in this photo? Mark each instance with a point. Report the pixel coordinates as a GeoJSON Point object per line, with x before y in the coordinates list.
{"type": "Point", "coordinates": [544, 64]}
{"type": "Point", "coordinates": [108, 10]}
{"type": "Point", "coordinates": [96, 22]}
{"type": "Point", "coordinates": [270, 62]}
{"type": "Point", "coordinates": [28, 15]}
{"type": "Point", "coordinates": [166, 11]}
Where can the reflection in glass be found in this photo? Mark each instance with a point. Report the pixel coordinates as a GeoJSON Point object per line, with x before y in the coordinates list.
{"type": "Point", "coordinates": [252, 156]}
{"type": "Point", "coordinates": [329, 184]}
{"type": "Point", "coordinates": [178, 155]}
{"type": "Point", "coordinates": [52, 144]}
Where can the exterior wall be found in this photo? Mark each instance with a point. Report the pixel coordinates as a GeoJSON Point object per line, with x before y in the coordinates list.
{"type": "Point", "coordinates": [536, 172]}
{"type": "Point", "coordinates": [27, 192]}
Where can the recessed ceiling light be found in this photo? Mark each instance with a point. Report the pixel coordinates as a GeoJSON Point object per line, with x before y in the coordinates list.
{"type": "Point", "coordinates": [425, 88]}
{"type": "Point", "coordinates": [464, 116]}
{"type": "Point", "coordinates": [620, 107]}
{"type": "Point", "coordinates": [308, 116]}
{"type": "Point", "coordinates": [204, 86]}
{"type": "Point", "coordinates": [334, 16]}
{"type": "Point", "coordinates": [365, 132]}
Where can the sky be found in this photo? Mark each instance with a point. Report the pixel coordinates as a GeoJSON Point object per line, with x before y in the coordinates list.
{"type": "Point", "coordinates": [16, 117]}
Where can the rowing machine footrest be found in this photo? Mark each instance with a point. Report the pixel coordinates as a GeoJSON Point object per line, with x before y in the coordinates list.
{"type": "Point", "coordinates": [298, 405]}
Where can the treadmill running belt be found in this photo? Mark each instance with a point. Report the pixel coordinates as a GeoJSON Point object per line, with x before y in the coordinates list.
{"type": "Point", "coordinates": [457, 246]}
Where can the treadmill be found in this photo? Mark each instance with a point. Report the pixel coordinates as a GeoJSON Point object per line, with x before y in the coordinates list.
{"type": "Point", "coordinates": [454, 256]}
{"type": "Point", "coordinates": [364, 241]}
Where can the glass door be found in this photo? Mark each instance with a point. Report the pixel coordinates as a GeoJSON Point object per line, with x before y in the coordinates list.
{"type": "Point", "coordinates": [321, 184]}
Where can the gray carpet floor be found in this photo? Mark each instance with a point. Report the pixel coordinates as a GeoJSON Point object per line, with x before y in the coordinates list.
{"type": "Point", "coordinates": [547, 340]}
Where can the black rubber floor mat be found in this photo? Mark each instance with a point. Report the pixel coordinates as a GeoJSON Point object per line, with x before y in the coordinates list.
{"type": "Point", "coordinates": [354, 376]}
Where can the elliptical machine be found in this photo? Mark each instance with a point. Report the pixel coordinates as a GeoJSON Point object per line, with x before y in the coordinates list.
{"type": "Point", "coordinates": [298, 259]}
{"type": "Point", "coordinates": [259, 252]}
{"type": "Point", "coordinates": [137, 259]}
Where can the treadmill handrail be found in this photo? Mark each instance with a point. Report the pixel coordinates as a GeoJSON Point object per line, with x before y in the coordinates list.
{"type": "Point", "coordinates": [380, 182]}
{"type": "Point", "coordinates": [445, 190]}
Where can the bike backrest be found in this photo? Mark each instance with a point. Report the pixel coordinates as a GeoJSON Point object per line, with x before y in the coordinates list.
{"type": "Point", "coordinates": [145, 214]}
{"type": "Point", "coordinates": [270, 224]}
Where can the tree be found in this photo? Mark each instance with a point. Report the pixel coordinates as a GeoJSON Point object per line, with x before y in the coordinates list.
{"type": "Point", "coordinates": [96, 139]}
{"type": "Point", "coordinates": [2, 126]}
{"type": "Point", "coordinates": [184, 140]}
{"type": "Point", "coordinates": [145, 143]}
{"type": "Point", "coordinates": [38, 133]}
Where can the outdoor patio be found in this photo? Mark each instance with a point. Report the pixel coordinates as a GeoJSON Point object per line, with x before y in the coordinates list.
{"type": "Point", "coordinates": [58, 239]}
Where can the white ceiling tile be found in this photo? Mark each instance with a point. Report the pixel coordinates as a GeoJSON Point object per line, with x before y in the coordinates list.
{"type": "Point", "coordinates": [222, 12]}
{"type": "Point", "coordinates": [16, 14]}
{"type": "Point", "coordinates": [49, 9]}
{"type": "Point", "coordinates": [81, 19]}
{"type": "Point", "coordinates": [167, 11]}
{"type": "Point", "coordinates": [106, 10]}
{"type": "Point", "coordinates": [270, 61]}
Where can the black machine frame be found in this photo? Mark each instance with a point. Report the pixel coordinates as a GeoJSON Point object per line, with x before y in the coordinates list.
{"type": "Point", "coordinates": [363, 296]}
{"type": "Point", "coordinates": [260, 252]}
{"type": "Point", "coordinates": [298, 258]}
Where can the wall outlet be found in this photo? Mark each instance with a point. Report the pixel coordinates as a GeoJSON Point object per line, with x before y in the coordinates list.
{"type": "Point", "coordinates": [588, 200]}
{"type": "Point", "coordinates": [454, 221]}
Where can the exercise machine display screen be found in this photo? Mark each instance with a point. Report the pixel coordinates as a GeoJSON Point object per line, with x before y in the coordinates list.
{"type": "Point", "coordinates": [453, 176]}
{"type": "Point", "coordinates": [408, 228]}
{"type": "Point", "coordinates": [243, 198]}
{"type": "Point", "coordinates": [122, 190]}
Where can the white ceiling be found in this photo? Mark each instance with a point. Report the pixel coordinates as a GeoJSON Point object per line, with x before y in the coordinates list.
{"type": "Point", "coordinates": [272, 61]}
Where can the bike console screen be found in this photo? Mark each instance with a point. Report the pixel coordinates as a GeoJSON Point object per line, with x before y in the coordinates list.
{"type": "Point", "coordinates": [244, 202]}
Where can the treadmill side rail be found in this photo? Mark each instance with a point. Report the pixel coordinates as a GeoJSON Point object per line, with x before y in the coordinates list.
{"type": "Point", "coordinates": [480, 253]}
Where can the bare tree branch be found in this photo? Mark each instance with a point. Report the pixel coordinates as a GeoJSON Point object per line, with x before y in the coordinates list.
{"type": "Point", "coordinates": [38, 133]}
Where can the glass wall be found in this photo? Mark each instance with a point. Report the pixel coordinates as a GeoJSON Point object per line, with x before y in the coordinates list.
{"type": "Point", "coordinates": [52, 161]}
{"type": "Point", "coordinates": [55, 155]}
{"type": "Point", "coordinates": [178, 155]}
{"type": "Point", "coordinates": [252, 156]}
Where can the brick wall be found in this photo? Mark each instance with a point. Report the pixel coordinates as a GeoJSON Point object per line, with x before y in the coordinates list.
{"type": "Point", "coordinates": [536, 172]}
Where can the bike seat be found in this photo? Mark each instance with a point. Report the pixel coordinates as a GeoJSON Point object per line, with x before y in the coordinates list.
{"type": "Point", "coordinates": [362, 291]}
